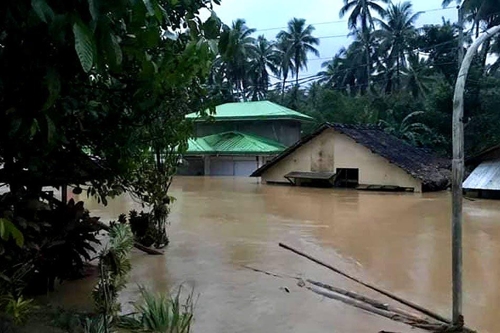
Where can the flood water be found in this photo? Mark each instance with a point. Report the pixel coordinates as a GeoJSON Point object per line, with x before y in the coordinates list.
{"type": "Point", "coordinates": [400, 242]}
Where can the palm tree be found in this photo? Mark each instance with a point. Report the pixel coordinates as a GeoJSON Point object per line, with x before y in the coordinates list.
{"type": "Point", "coordinates": [237, 46]}
{"type": "Point", "coordinates": [361, 54]}
{"type": "Point", "coordinates": [397, 32]}
{"type": "Point", "coordinates": [418, 75]}
{"type": "Point", "coordinates": [482, 13]}
{"type": "Point", "coordinates": [285, 62]}
{"type": "Point", "coordinates": [300, 42]}
{"type": "Point", "coordinates": [265, 57]}
{"type": "Point", "coordinates": [477, 11]}
{"type": "Point", "coordinates": [361, 15]}
{"type": "Point", "coordinates": [339, 72]}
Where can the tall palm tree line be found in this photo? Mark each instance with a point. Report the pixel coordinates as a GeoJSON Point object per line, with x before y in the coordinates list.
{"type": "Point", "coordinates": [384, 54]}
{"type": "Point", "coordinates": [245, 63]}
{"type": "Point", "coordinates": [361, 20]}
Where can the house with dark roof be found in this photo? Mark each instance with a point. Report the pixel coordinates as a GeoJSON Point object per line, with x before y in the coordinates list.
{"type": "Point", "coordinates": [364, 157]}
{"type": "Point", "coordinates": [484, 179]}
{"type": "Point", "coordinates": [240, 137]}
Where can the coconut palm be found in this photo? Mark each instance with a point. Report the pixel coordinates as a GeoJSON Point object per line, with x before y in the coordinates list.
{"type": "Point", "coordinates": [285, 62]}
{"type": "Point", "coordinates": [397, 30]}
{"type": "Point", "coordinates": [362, 54]}
{"type": "Point", "coordinates": [265, 57]}
{"type": "Point", "coordinates": [362, 21]}
{"type": "Point", "coordinates": [339, 72]}
{"type": "Point", "coordinates": [479, 11]}
{"type": "Point", "coordinates": [418, 76]}
{"type": "Point", "coordinates": [300, 42]}
{"type": "Point", "coordinates": [237, 46]}
{"type": "Point", "coordinates": [361, 13]}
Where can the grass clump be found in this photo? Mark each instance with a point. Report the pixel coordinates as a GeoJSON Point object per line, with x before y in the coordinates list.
{"type": "Point", "coordinates": [160, 313]}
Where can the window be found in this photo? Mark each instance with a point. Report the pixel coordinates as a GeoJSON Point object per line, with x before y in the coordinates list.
{"type": "Point", "coordinates": [347, 177]}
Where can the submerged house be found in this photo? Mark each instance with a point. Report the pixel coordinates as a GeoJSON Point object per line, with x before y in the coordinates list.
{"type": "Point", "coordinates": [364, 157]}
{"type": "Point", "coordinates": [240, 137]}
{"type": "Point", "coordinates": [484, 180]}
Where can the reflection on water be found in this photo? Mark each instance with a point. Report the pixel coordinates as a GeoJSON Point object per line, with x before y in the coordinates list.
{"type": "Point", "coordinates": [398, 241]}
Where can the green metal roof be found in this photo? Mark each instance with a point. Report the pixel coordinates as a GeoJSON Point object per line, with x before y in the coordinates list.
{"type": "Point", "coordinates": [233, 143]}
{"type": "Point", "coordinates": [261, 110]}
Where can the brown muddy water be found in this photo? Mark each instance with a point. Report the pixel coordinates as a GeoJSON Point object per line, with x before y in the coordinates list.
{"type": "Point", "coordinates": [400, 242]}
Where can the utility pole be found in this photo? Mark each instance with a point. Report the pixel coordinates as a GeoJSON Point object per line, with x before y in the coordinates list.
{"type": "Point", "coordinates": [457, 179]}
{"type": "Point", "coordinates": [460, 35]}
{"type": "Point", "coordinates": [458, 171]}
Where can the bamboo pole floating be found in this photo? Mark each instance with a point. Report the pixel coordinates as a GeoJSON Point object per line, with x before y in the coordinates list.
{"type": "Point", "coordinates": [415, 322]}
{"type": "Point", "coordinates": [458, 172]}
{"type": "Point", "coordinates": [370, 301]}
{"type": "Point", "coordinates": [383, 292]}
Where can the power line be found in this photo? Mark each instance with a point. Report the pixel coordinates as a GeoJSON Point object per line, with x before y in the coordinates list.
{"type": "Point", "coordinates": [360, 85]}
{"type": "Point", "coordinates": [345, 21]}
{"type": "Point", "coordinates": [406, 53]}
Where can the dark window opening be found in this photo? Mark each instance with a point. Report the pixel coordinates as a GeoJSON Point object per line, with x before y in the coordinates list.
{"type": "Point", "coordinates": [347, 177]}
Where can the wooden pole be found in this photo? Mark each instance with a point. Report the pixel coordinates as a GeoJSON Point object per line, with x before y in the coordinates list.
{"type": "Point", "coordinates": [368, 300]}
{"type": "Point", "coordinates": [415, 322]}
{"type": "Point", "coordinates": [460, 35]}
{"type": "Point", "coordinates": [383, 292]}
{"type": "Point", "coordinates": [458, 172]}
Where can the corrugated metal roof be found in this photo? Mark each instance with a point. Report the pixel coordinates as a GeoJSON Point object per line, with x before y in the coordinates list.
{"type": "Point", "coordinates": [233, 143]}
{"type": "Point", "coordinates": [485, 177]}
{"type": "Point", "coordinates": [260, 110]}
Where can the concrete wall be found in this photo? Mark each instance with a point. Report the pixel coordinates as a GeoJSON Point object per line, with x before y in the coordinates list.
{"type": "Point", "coordinates": [330, 151]}
{"type": "Point", "coordinates": [286, 132]}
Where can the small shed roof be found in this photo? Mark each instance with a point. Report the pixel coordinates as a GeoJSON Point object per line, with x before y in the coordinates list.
{"type": "Point", "coordinates": [485, 177]}
{"type": "Point", "coordinates": [233, 143]}
{"type": "Point", "coordinates": [259, 110]}
{"type": "Point", "coordinates": [419, 163]}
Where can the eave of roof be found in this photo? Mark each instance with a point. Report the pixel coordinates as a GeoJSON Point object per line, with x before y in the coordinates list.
{"type": "Point", "coordinates": [260, 110]}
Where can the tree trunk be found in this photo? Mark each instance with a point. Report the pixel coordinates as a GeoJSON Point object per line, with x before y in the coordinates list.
{"type": "Point", "coordinates": [458, 171]}
{"type": "Point", "coordinates": [283, 88]}
{"type": "Point", "coordinates": [398, 78]}
{"type": "Point", "coordinates": [368, 61]}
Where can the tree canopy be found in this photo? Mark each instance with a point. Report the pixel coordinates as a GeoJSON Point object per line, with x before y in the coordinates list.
{"type": "Point", "coordinates": [99, 77]}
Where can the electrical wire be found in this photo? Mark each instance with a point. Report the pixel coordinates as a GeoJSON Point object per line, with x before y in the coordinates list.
{"type": "Point", "coordinates": [345, 21]}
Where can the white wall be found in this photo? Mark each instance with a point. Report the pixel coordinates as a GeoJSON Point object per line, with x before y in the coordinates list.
{"type": "Point", "coordinates": [330, 151]}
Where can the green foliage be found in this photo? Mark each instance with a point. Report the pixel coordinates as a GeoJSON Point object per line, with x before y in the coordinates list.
{"type": "Point", "coordinates": [69, 321]}
{"type": "Point", "coordinates": [114, 266]}
{"type": "Point", "coordinates": [162, 314]}
{"type": "Point", "coordinates": [16, 308]}
{"type": "Point", "coordinates": [106, 74]}
{"type": "Point", "coordinates": [57, 241]}
{"type": "Point", "coordinates": [8, 230]}
{"type": "Point", "coordinates": [97, 324]}
{"type": "Point", "coordinates": [84, 45]}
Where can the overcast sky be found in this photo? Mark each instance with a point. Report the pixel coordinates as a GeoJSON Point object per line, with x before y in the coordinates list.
{"type": "Point", "coordinates": [270, 16]}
